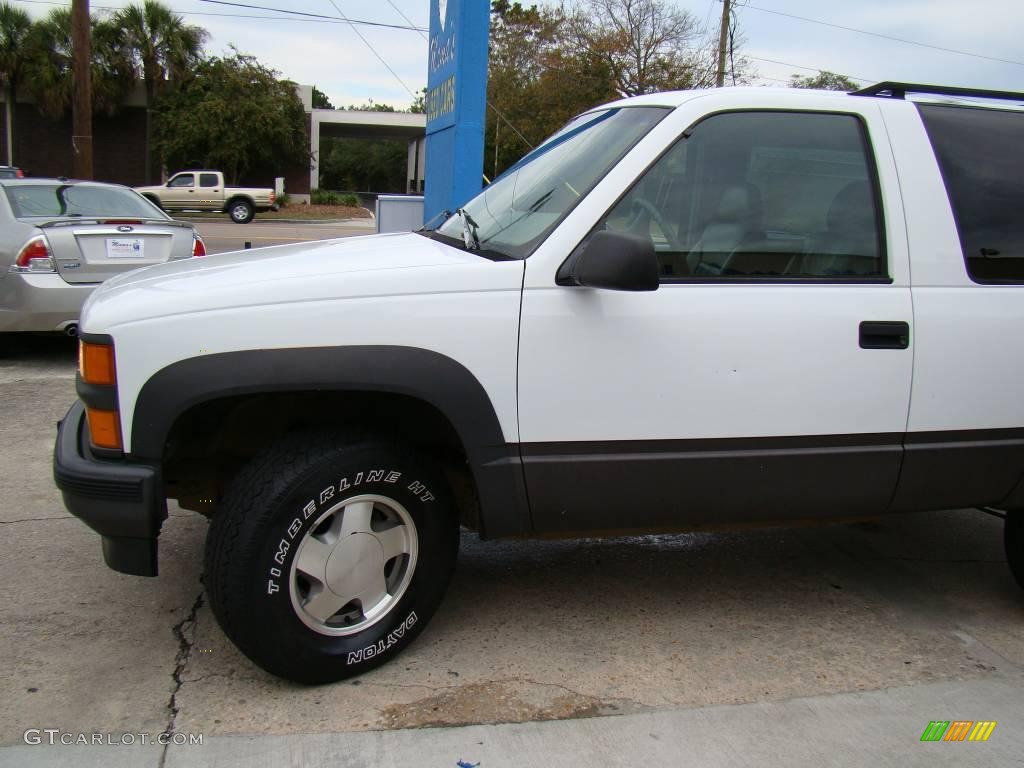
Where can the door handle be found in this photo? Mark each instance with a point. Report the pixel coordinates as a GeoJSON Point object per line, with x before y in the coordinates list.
{"type": "Point", "coordinates": [884, 334]}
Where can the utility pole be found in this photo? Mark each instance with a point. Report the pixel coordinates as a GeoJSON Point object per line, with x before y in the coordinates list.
{"type": "Point", "coordinates": [81, 130]}
{"type": "Point", "coordinates": [723, 38]}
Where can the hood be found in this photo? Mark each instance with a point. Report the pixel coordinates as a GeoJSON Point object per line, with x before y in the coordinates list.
{"type": "Point", "coordinates": [371, 265]}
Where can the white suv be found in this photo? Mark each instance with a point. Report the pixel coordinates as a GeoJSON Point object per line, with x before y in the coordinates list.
{"type": "Point", "coordinates": [682, 310]}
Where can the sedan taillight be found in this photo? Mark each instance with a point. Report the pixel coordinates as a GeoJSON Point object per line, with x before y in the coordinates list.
{"type": "Point", "coordinates": [35, 256]}
{"type": "Point", "coordinates": [198, 246]}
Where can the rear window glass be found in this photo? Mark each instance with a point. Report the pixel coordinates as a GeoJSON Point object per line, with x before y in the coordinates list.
{"type": "Point", "coordinates": [979, 153]}
{"type": "Point", "coordinates": [31, 200]}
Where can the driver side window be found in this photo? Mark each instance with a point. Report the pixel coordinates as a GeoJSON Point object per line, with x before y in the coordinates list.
{"type": "Point", "coordinates": [184, 180]}
{"type": "Point", "coordinates": [761, 196]}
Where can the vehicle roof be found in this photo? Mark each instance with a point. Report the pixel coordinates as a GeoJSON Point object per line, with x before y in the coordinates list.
{"type": "Point", "coordinates": [677, 98]}
{"type": "Point", "coordinates": [40, 181]}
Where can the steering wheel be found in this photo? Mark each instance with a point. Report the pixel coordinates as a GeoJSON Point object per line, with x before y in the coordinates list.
{"type": "Point", "coordinates": [642, 205]}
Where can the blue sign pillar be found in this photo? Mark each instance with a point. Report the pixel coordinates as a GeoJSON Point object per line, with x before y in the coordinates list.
{"type": "Point", "coordinates": [456, 103]}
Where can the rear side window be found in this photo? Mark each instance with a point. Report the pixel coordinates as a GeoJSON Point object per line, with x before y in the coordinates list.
{"type": "Point", "coordinates": [207, 179]}
{"type": "Point", "coordinates": [979, 153]}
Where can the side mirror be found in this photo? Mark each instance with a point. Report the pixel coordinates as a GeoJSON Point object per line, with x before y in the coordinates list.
{"type": "Point", "coordinates": [613, 260]}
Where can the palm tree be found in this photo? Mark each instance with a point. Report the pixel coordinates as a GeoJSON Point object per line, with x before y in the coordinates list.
{"type": "Point", "coordinates": [48, 65]}
{"type": "Point", "coordinates": [14, 30]}
{"type": "Point", "coordinates": [163, 47]}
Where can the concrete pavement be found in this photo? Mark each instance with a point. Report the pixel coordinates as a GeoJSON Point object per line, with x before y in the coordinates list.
{"type": "Point", "coordinates": [793, 646]}
{"type": "Point", "coordinates": [878, 728]}
{"type": "Point", "coordinates": [223, 235]}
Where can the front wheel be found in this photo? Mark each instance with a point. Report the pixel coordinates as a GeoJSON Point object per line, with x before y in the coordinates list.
{"type": "Point", "coordinates": [241, 211]}
{"type": "Point", "coordinates": [327, 558]}
{"type": "Point", "coordinates": [1013, 537]}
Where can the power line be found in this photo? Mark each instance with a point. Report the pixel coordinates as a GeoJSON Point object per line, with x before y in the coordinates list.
{"type": "Point", "coordinates": [509, 124]}
{"type": "Point", "coordinates": [490, 104]}
{"type": "Point", "coordinates": [887, 37]}
{"type": "Point", "coordinates": [810, 69]}
{"type": "Point", "coordinates": [295, 15]}
{"type": "Point", "coordinates": [406, 18]}
{"type": "Point", "coordinates": [367, 43]}
{"type": "Point", "coordinates": [347, 20]}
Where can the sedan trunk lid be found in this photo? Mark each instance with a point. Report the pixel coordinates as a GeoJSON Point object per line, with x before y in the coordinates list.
{"type": "Point", "coordinates": [93, 250]}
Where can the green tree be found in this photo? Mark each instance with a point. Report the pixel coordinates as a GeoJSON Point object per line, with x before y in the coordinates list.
{"type": "Point", "coordinates": [48, 65]}
{"type": "Point", "coordinates": [371, 106]}
{"type": "Point", "coordinates": [537, 80]}
{"type": "Point", "coordinates": [15, 26]}
{"type": "Point", "coordinates": [235, 115]}
{"type": "Point", "coordinates": [824, 80]}
{"type": "Point", "coordinates": [362, 165]}
{"type": "Point", "coordinates": [320, 100]}
{"type": "Point", "coordinates": [162, 50]}
{"type": "Point", "coordinates": [419, 104]}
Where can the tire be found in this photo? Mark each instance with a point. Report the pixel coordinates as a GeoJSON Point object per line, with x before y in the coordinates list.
{"type": "Point", "coordinates": [241, 211]}
{"type": "Point", "coordinates": [315, 504]}
{"type": "Point", "coordinates": [1013, 538]}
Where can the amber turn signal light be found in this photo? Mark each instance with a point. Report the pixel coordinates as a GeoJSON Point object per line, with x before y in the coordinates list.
{"type": "Point", "coordinates": [96, 363]}
{"type": "Point", "coordinates": [104, 428]}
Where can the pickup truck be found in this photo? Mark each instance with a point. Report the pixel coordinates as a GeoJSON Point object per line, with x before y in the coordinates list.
{"type": "Point", "coordinates": [206, 191]}
{"type": "Point", "coordinates": [682, 311]}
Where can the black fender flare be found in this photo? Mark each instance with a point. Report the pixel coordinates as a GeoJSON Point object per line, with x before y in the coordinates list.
{"type": "Point", "coordinates": [429, 376]}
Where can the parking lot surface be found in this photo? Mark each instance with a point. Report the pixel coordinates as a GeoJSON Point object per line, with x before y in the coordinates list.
{"type": "Point", "coordinates": [529, 631]}
{"type": "Point", "coordinates": [222, 235]}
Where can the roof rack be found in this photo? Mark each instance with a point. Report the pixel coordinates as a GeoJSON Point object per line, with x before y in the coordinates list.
{"type": "Point", "coordinates": [900, 90]}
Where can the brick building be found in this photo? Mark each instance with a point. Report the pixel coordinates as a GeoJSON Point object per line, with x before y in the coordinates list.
{"type": "Point", "coordinates": [42, 147]}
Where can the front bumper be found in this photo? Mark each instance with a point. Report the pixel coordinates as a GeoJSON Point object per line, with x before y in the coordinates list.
{"type": "Point", "coordinates": [40, 302]}
{"type": "Point", "coordinates": [119, 499]}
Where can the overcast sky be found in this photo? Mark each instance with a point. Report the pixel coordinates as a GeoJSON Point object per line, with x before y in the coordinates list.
{"type": "Point", "coordinates": [332, 56]}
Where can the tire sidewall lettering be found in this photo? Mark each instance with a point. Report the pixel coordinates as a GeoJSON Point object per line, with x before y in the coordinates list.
{"type": "Point", "coordinates": [284, 544]}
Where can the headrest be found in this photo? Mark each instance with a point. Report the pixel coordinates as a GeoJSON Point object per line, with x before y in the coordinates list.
{"type": "Point", "coordinates": [739, 202]}
{"type": "Point", "coordinates": [852, 209]}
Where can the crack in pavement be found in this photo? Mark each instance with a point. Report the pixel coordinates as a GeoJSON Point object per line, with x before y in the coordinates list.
{"type": "Point", "coordinates": [898, 558]}
{"type": "Point", "coordinates": [185, 633]}
{"type": "Point", "coordinates": [36, 519]}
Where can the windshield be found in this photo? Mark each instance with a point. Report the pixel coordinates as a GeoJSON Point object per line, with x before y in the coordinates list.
{"type": "Point", "coordinates": [515, 213]}
{"type": "Point", "coordinates": [58, 199]}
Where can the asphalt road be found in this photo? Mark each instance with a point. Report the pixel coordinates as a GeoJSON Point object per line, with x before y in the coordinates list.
{"type": "Point", "coordinates": [915, 616]}
{"type": "Point", "coordinates": [223, 235]}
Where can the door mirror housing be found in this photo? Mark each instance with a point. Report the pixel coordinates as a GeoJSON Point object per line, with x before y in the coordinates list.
{"type": "Point", "coordinates": [613, 260]}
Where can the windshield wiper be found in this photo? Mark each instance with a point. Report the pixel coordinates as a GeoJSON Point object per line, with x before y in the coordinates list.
{"type": "Point", "coordinates": [427, 225]}
{"type": "Point", "coordinates": [469, 230]}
